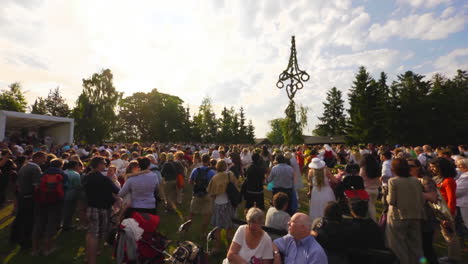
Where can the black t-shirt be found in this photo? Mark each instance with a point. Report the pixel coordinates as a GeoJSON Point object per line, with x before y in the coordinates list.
{"type": "Point", "coordinates": [255, 178]}
{"type": "Point", "coordinates": [169, 171]}
{"type": "Point", "coordinates": [365, 234]}
{"type": "Point", "coordinates": [332, 236]}
{"type": "Point", "coordinates": [99, 190]}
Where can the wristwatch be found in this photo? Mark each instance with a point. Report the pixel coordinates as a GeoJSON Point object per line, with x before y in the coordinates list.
{"type": "Point", "coordinates": [276, 252]}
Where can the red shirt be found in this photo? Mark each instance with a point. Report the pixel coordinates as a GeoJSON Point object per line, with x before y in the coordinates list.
{"type": "Point", "coordinates": [300, 159]}
{"type": "Point", "coordinates": [447, 190]}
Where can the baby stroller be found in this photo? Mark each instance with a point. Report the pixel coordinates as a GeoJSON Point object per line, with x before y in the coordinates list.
{"type": "Point", "coordinates": [138, 241]}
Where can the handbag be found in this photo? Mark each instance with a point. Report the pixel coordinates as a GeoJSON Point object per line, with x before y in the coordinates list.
{"type": "Point", "coordinates": [232, 192]}
{"type": "Point", "coordinates": [440, 209]}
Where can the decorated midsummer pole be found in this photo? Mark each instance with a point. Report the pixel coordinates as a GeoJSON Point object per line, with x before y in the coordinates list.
{"type": "Point", "coordinates": [292, 80]}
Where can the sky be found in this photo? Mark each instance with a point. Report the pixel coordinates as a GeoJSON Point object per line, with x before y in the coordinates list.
{"type": "Point", "coordinates": [231, 51]}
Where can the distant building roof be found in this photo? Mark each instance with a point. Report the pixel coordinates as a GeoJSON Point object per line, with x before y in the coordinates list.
{"type": "Point", "coordinates": [315, 140]}
{"type": "Point", "coordinates": [263, 141]}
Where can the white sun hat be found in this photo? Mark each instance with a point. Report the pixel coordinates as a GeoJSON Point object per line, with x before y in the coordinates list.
{"type": "Point", "coordinates": [316, 163]}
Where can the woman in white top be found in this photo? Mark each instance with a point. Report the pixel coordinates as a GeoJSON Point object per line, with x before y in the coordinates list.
{"type": "Point", "coordinates": [462, 189]}
{"type": "Point", "coordinates": [321, 193]}
{"type": "Point", "coordinates": [250, 243]}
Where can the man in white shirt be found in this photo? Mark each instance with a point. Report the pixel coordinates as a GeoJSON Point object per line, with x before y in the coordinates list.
{"type": "Point", "coordinates": [386, 157]}
{"type": "Point", "coordinates": [215, 154]}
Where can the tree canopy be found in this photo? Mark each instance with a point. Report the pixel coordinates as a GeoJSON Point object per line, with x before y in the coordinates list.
{"type": "Point", "coordinates": [13, 98]}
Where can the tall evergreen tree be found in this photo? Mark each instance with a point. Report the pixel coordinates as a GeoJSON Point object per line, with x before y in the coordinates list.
{"type": "Point", "coordinates": [250, 133]}
{"type": "Point", "coordinates": [358, 125]}
{"type": "Point", "coordinates": [39, 107]}
{"type": "Point", "coordinates": [225, 134]}
{"type": "Point", "coordinates": [206, 119]}
{"type": "Point", "coordinates": [411, 112]}
{"type": "Point", "coordinates": [381, 119]}
{"type": "Point", "coordinates": [243, 128]}
{"type": "Point", "coordinates": [333, 121]}
{"type": "Point", "coordinates": [56, 105]}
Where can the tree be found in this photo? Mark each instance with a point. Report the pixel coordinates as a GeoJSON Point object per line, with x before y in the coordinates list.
{"type": "Point", "coordinates": [39, 107]}
{"type": "Point", "coordinates": [292, 131]}
{"type": "Point", "coordinates": [333, 121]}
{"type": "Point", "coordinates": [13, 98]}
{"type": "Point", "coordinates": [56, 105]}
{"type": "Point", "coordinates": [243, 129]}
{"type": "Point", "coordinates": [153, 116]}
{"type": "Point", "coordinates": [206, 120]}
{"type": "Point", "coordinates": [250, 133]}
{"type": "Point", "coordinates": [380, 131]}
{"type": "Point", "coordinates": [359, 116]}
{"type": "Point", "coordinates": [411, 92]}
{"type": "Point", "coordinates": [95, 108]}
{"type": "Point", "coordinates": [225, 134]}
{"type": "Point", "coordinates": [276, 133]}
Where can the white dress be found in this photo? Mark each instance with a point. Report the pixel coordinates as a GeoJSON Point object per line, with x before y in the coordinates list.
{"type": "Point", "coordinates": [319, 198]}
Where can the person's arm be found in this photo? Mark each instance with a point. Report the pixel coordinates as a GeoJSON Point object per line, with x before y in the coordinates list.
{"type": "Point", "coordinates": [450, 187]}
{"type": "Point", "coordinates": [330, 176]}
{"type": "Point", "coordinates": [192, 176]}
{"type": "Point", "coordinates": [125, 188]}
{"type": "Point", "coordinates": [233, 254]}
{"type": "Point", "coordinates": [270, 176]}
{"type": "Point", "coordinates": [276, 255]}
{"type": "Point", "coordinates": [391, 197]}
{"type": "Point", "coordinates": [462, 187]}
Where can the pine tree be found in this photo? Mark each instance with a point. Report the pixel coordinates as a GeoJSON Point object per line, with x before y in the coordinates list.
{"type": "Point", "coordinates": [39, 107]}
{"type": "Point", "coordinates": [56, 105]}
{"type": "Point", "coordinates": [333, 121]}
{"type": "Point", "coordinates": [243, 129]}
{"type": "Point", "coordinates": [381, 128]}
{"type": "Point", "coordinates": [250, 139]}
{"type": "Point", "coordinates": [358, 125]}
{"type": "Point", "coordinates": [207, 121]}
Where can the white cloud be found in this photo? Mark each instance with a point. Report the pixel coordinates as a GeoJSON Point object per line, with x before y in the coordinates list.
{"type": "Point", "coordinates": [448, 12]}
{"type": "Point", "coordinates": [418, 26]}
{"type": "Point", "coordinates": [423, 3]}
{"type": "Point", "coordinates": [451, 62]}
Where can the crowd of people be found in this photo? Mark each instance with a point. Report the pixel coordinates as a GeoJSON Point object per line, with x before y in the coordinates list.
{"type": "Point", "coordinates": [422, 191]}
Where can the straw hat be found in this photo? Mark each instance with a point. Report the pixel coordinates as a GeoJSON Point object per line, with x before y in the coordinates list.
{"type": "Point", "coordinates": [316, 163]}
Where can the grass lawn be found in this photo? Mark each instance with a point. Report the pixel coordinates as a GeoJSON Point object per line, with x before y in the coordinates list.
{"type": "Point", "coordinates": [71, 243]}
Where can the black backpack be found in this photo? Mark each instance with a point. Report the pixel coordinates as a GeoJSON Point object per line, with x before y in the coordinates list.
{"type": "Point", "coordinates": [201, 182]}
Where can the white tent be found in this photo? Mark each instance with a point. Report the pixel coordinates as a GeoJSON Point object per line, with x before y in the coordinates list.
{"type": "Point", "coordinates": [59, 128]}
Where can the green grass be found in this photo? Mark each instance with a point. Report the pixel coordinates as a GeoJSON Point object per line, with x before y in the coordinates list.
{"type": "Point", "coordinates": [71, 244]}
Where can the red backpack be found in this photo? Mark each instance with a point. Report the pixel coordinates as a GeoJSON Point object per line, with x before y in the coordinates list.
{"type": "Point", "coordinates": [50, 189]}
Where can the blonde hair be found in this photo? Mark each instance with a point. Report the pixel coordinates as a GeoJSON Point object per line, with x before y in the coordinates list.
{"type": "Point", "coordinates": [319, 175]}
{"type": "Point", "coordinates": [462, 162]}
{"type": "Point", "coordinates": [112, 167]}
{"type": "Point", "coordinates": [255, 215]}
{"type": "Point", "coordinates": [170, 156]}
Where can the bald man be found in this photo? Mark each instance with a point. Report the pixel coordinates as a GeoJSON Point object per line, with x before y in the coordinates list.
{"type": "Point", "coordinates": [299, 246]}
